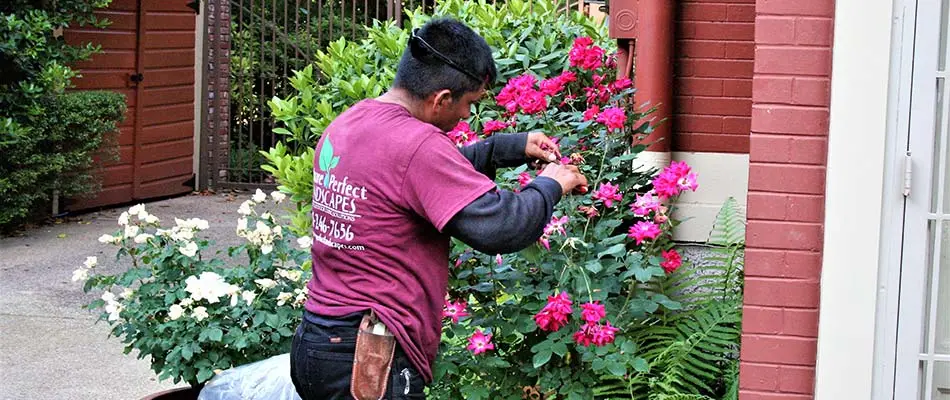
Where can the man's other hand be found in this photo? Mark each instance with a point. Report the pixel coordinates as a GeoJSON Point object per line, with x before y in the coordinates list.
{"type": "Point", "coordinates": [542, 148]}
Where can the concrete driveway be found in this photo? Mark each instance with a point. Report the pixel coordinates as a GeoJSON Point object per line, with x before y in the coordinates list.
{"type": "Point", "coordinates": [51, 348]}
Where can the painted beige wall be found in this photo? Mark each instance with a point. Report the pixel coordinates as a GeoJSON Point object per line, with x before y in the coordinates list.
{"type": "Point", "coordinates": [720, 176]}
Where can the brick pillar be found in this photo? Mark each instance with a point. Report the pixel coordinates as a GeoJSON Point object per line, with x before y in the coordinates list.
{"type": "Point", "coordinates": [788, 150]}
{"type": "Point", "coordinates": [218, 70]}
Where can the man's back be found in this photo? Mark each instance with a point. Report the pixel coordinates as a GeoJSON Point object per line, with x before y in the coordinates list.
{"type": "Point", "coordinates": [385, 184]}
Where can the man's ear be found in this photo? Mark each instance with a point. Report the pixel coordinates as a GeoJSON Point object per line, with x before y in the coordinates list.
{"type": "Point", "coordinates": [442, 98]}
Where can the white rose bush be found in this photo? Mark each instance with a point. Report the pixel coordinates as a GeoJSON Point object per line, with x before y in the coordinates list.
{"type": "Point", "coordinates": [194, 314]}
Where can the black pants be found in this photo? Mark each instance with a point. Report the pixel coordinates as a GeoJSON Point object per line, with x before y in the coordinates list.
{"type": "Point", "coordinates": [321, 361]}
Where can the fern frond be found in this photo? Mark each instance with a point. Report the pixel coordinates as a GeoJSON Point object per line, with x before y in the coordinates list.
{"type": "Point", "coordinates": [732, 381]}
{"type": "Point", "coordinates": [729, 227]}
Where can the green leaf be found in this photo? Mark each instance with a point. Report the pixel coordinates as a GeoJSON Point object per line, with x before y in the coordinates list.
{"type": "Point", "coordinates": [616, 368]}
{"type": "Point", "coordinates": [614, 250]}
{"type": "Point", "coordinates": [598, 364]}
{"type": "Point", "coordinates": [215, 334]}
{"type": "Point", "coordinates": [641, 365]}
{"type": "Point", "coordinates": [594, 266]}
{"type": "Point", "coordinates": [204, 375]}
{"type": "Point", "coordinates": [186, 352]}
{"type": "Point", "coordinates": [541, 358]}
{"type": "Point", "coordinates": [559, 348]}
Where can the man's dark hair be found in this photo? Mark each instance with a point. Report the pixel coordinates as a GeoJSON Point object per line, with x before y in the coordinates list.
{"type": "Point", "coordinates": [423, 71]}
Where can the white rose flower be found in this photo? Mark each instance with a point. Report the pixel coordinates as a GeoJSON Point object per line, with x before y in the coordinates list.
{"type": "Point", "coordinates": [199, 313]}
{"type": "Point", "coordinates": [265, 283]}
{"type": "Point", "coordinates": [266, 216]}
{"type": "Point", "coordinates": [124, 218]}
{"type": "Point", "coordinates": [108, 297]}
{"type": "Point", "coordinates": [91, 262]}
{"type": "Point", "coordinates": [266, 248]}
{"type": "Point", "coordinates": [304, 242]}
{"type": "Point", "coordinates": [142, 238]}
{"type": "Point", "coordinates": [113, 307]}
{"type": "Point", "coordinates": [248, 296]}
{"type": "Point", "coordinates": [262, 228]}
{"type": "Point", "coordinates": [245, 208]}
{"type": "Point", "coordinates": [114, 314]}
{"type": "Point", "coordinates": [290, 274]}
{"type": "Point", "coordinates": [259, 196]}
{"type": "Point", "coordinates": [137, 209]}
{"type": "Point", "coordinates": [278, 231]}
{"type": "Point", "coordinates": [163, 232]}
{"type": "Point", "coordinates": [187, 302]}
{"type": "Point", "coordinates": [151, 219]}
{"type": "Point", "coordinates": [143, 216]}
{"type": "Point", "coordinates": [131, 231]}
{"type": "Point", "coordinates": [199, 224]}
{"type": "Point", "coordinates": [283, 297]}
{"type": "Point", "coordinates": [241, 227]}
{"type": "Point", "coordinates": [189, 250]}
{"type": "Point", "coordinates": [104, 239]}
{"type": "Point", "coordinates": [80, 275]}
{"type": "Point", "coordinates": [175, 312]}
{"type": "Point", "coordinates": [182, 234]}
{"type": "Point", "coordinates": [126, 293]}
{"type": "Point", "coordinates": [278, 196]}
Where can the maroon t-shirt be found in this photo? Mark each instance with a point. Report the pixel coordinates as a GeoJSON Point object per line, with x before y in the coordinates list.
{"type": "Point", "coordinates": [385, 184]}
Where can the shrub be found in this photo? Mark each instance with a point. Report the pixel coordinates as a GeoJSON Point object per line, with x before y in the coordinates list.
{"type": "Point", "coordinates": [56, 152]}
{"type": "Point", "coordinates": [194, 313]}
{"type": "Point", "coordinates": [49, 135]}
{"type": "Point", "coordinates": [349, 71]}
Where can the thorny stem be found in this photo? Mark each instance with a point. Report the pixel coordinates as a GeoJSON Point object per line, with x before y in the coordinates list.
{"type": "Point", "coordinates": [600, 173]}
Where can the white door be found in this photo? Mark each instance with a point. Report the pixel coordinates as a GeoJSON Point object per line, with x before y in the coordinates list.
{"type": "Point", "coordinates": [922, 370]}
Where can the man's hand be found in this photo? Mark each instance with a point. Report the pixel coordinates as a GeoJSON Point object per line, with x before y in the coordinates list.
{"type": "Point", "coordinates": [570, 178]}
{"type": "Point", "coordinates": [542, 148]}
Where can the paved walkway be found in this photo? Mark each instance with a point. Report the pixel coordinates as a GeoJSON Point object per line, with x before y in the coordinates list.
{"type": "Point", "coordinates": [51, 348]}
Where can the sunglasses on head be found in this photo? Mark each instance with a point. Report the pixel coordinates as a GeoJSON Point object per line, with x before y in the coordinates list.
{"type": "Point", "coordinates": [420, 48]}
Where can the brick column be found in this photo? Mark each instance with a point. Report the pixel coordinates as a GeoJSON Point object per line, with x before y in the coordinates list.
{"type": "Point", "coordinates": [788, 150]}
{"type": "Point", "coordinates": [218, 49]}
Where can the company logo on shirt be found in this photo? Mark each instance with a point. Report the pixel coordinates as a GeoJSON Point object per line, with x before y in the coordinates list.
{"type": "Point", "coordinates": [327, 160]}
{"type": "Point", "coordinates": [335, 203]}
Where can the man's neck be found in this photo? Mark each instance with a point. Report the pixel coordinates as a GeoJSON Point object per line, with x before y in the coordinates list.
{"type": "Point", "coordinates": [403, 98]}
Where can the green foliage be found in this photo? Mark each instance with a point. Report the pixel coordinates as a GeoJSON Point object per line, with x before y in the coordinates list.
{"type": "Point", "coordinates": [56, 152]}
{"type": "Point", "coordinates": [721, 277]}
{"type": "Point", "coordinates": [48, 134]}
{"type": "Point", "coordinates": [268, 43]}
{"type": "Point", "coordinates": [348, 70]}
{"type": "Point", "coordinates": [694, 353]}
{"type": "Point", "coordinates": [193, 313]}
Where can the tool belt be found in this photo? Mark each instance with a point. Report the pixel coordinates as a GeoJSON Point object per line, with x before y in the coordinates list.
{"type": "Point", "coordinates": [375, 348]}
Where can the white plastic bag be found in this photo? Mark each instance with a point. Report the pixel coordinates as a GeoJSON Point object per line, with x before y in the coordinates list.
{"type": "Point", "coordinates": [262, 380]}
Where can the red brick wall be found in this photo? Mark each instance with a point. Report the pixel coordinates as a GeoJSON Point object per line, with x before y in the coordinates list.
{"type": "Point", "coordinates": [713, 87]}
{"type": "Point", "coordinates": [787, 151]}
{"type": "Point", "coordinates": [215, 144]}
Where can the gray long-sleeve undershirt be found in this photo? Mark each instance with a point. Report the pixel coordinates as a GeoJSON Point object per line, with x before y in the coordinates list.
{"type": "Point", "coordinates": [501, 221]}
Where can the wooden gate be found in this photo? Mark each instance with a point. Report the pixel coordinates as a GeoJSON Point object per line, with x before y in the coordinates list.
{"type": "Point", "coordinates": [148, 54]}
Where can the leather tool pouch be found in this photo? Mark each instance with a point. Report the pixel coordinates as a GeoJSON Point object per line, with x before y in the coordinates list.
{"type": "Point", "coordinates": [373, 360]}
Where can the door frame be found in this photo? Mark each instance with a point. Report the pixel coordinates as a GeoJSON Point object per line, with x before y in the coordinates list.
{"type": "Point", "coordinates": [911, 98]}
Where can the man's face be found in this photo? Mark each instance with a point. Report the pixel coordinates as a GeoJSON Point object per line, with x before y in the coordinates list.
{"type": "Point", "coordinates": [447, 112]}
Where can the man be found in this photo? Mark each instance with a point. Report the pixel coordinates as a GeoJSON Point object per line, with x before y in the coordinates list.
{"type": "Point", "coordinates": [390, 188]}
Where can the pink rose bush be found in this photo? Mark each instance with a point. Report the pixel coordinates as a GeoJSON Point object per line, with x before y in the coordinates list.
{"type": "Point", "coordinates": [562, 309]}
